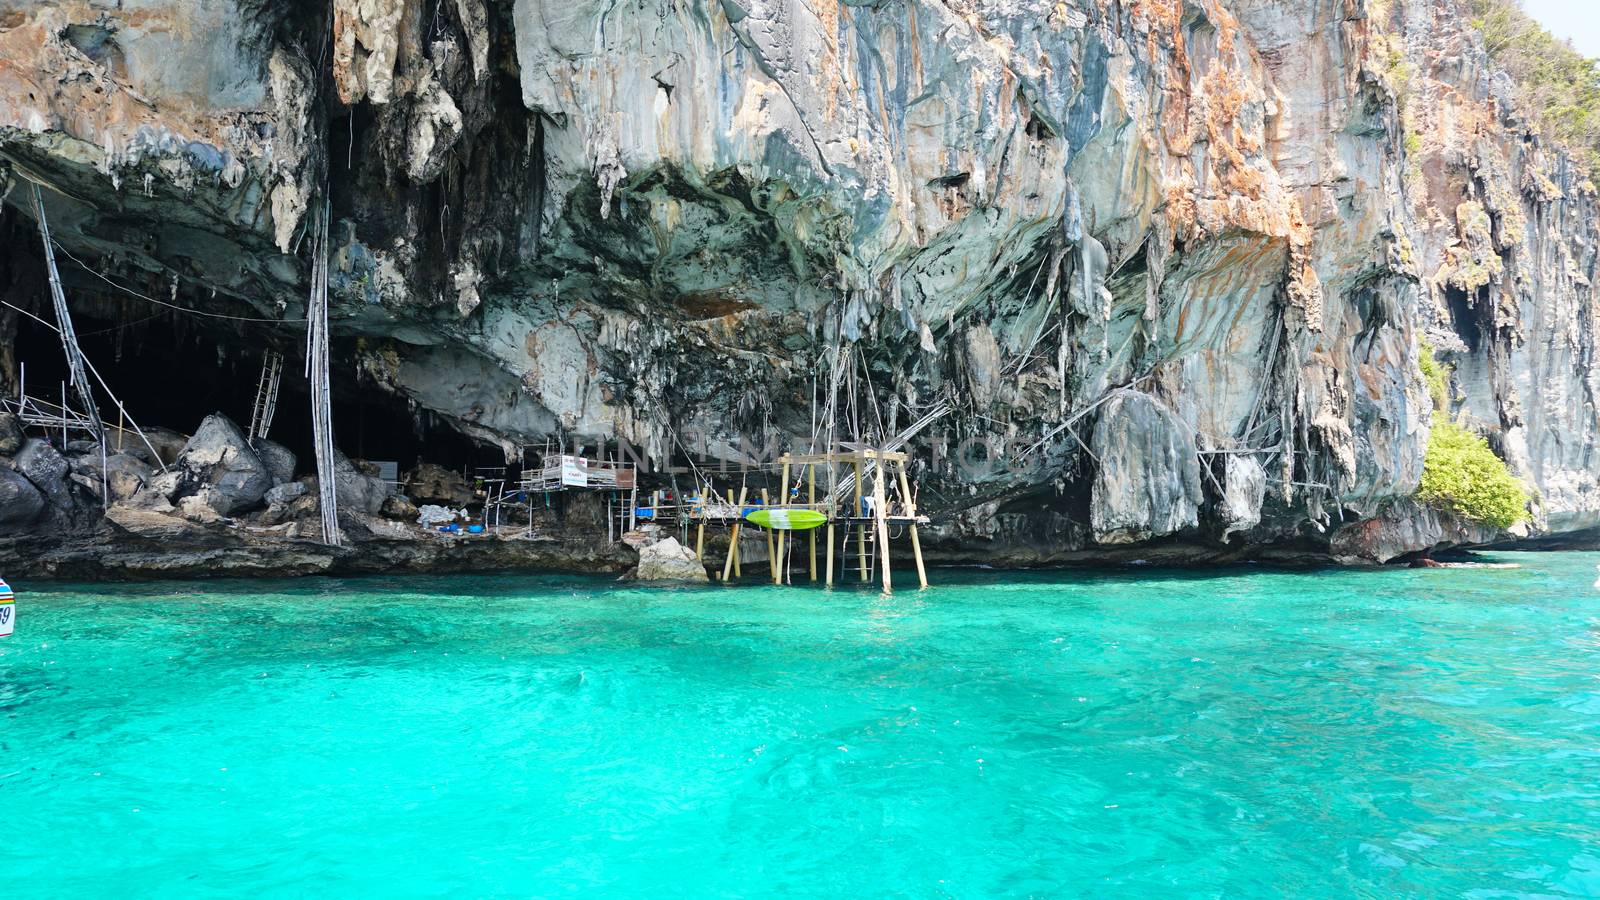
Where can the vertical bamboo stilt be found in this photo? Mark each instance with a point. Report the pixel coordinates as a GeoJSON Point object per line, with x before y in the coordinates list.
{"type": "Point", "coordinates": [880, 512]}
{"type": "Point", "coordinates": [739, 506]}
{"type": "Point", "coordinates": [772, 551]}
{"type": "Point", "coordinates": [811, 501]}
{"type": "Point", "coordinates": [833, 513]}
{"type": "Point", "coordinates": [861, 529]}
{"type": "Point", "coordinates": [781, 573]}
{"type": "Point", "coordinates": [911, 510]}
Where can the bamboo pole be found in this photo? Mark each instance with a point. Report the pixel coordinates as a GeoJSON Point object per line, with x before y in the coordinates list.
{"type": "Point", "coordinates": [772, 555]}
{"type": "Point", "coordinates": [733, 544]}
{"type": "Point", "coordinates": [861, 529]}
{"type": "Point", "coordinates": [880, 513]}
{"type": "Point", "coordinates": [811, 501]}
{"type": "Point", "coordinates": [911, 510]}
{"type": "Point", "coordinates": [833, 513]}
{"type": "Point", "coordinates": [736, 527]}
{"type": "Point", "coordinates": [779, 572]}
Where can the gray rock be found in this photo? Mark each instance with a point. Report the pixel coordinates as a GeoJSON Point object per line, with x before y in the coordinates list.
{"type": "Point", "coordinates": [284, 493]}
{"type": "Point", "coordinates": [167, 443]}
{"type": "Point", "coordinates": [43, 465]}
{"type": "Point", "coordinates": [218, 458]}
{"type": "Point", "coordinates": [126, 473]}
{"type": "Point", "coordinates": [667, 560]}
{"type": "Point", "coordinates": [1244, 487]}
{"type": "Point", "coordinates": [1148, 480]}
{"type": "Point", "coordinates": [357, 491]}
{"type": "Point", "coordinates": [399, 507]}
{"type": "Point", "coordinates": [20, 502]}
{"type": "Point", "coordinates": [431, 484]}
{"type": "Point", "coordinates": [11, 436]}
{"type": "Point", "coordinates": [280, 460]}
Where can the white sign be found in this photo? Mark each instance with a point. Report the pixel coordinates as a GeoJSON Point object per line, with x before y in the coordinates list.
{"type": "Point", "coordinates": [574, 471]}
{"type": "Point", "coordinates": [8, 616]}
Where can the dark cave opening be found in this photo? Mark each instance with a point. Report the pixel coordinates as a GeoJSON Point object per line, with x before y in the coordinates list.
{"type": "Point", "coordinates": [173, 376]}
{"type": "Point", "coordinates": [1462, 316]}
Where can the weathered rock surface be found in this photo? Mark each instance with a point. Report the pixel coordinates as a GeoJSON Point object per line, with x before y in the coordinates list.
{"type": "Point", "coordinates": [44, 466]}
{"type": "Point", "coordinates": [1148, 481]}
{"type": "Point", "coordinates": [11, 436]}
{"type": "Point", "coordinates": [667, 560]}
{"type": "Point", "coordinates": [575, 221]}
{"type": "Point", "coordinates": [20, 502]}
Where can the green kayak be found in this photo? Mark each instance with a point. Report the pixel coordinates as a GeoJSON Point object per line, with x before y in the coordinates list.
{"type": "Point", "coordinates": [787, 519]}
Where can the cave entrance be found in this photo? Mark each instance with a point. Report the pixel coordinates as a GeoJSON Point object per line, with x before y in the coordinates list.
{"type": "Point", "coordinates": [170, 373]}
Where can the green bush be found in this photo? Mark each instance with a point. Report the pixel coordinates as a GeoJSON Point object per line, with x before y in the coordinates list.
{"type": "Point", "coordinates": [1461, 474]}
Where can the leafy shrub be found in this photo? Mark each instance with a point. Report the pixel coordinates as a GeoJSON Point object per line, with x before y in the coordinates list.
{"type": "Point", "coordinates": [1461, 474]}
{"type": "Point", "coordinates": [1559, 86]}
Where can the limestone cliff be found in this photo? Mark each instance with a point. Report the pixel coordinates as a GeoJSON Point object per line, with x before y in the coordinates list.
{"type": "Point", "coordinates": [1171, 259]}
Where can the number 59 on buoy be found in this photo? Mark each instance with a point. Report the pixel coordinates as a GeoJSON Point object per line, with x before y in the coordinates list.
{"type": "Point", "coordinates": [8, 609]}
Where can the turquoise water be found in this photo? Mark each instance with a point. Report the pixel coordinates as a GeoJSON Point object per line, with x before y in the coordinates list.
{"type": "Point", "coordinates": [1122, 733]}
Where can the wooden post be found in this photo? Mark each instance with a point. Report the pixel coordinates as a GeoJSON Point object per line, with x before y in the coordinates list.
{"type": "Point", "coordinates": [880, 513]}
{"type": "Point", "coordinates": [780, 573]}
{"type": "Point", "coordinates": [772, 555]}
{"type": "Point", "coordinates": [811, 501]}
{"type": "Point", "coordinates": [832, 513]}
{"type": "Point", "coordinates": [737, 523]}
{"type": "Point", "coordinates": [911, 510]}
{"type": "Point", "coordinates": [700, 539]}
{"type": "Point", "coordinates": [861, 528]}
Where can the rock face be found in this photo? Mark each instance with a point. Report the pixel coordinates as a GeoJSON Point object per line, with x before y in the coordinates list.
{"type": "Point", "coordinates": [667, 560]}
{"type": "Point", "coordinates": [1147, 483]}
{"type": "Point", "coordinates": [1170, 259]}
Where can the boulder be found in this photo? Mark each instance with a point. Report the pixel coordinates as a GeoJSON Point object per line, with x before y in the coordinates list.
{"type": "Point", "coordinates": [431, 484]}
{"type": "Point", "coordinates": [218, 461]}
{"type": "Point", "coordinates": [11, 436]}
{"type": "Point", "coordinates": [43, 465]}
{"type": "Point", "coordinates": [169, 444]}
{"type": "Point", "coordinates": [280, 460]}
{"type": "Point", "coordinates": [20, 502]}
{"type": "Point", "coordinates": [399, 507]}
{"type": "Point", "coordinates": [286, 502]}
{"type": "Point", "coordinates": [284, 493]}
{"type": "Point", "coordinates": [355, 490]}
{"type": "Point", "coordinates": [126, 474]}
{"type": "Point", "coordinates": [200, 507]}
{"type": "Point", "coordinates": [667, 560]}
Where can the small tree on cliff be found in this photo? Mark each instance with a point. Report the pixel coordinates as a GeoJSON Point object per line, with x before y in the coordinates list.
{"type": "Point", "coordinates": [1459, 471]}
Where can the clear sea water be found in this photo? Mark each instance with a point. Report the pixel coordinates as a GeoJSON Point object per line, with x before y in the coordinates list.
{"type": "Point", "coordinates": [1132, 732]}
